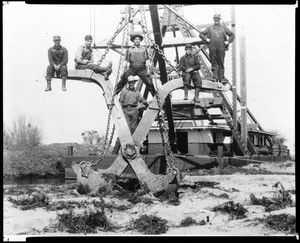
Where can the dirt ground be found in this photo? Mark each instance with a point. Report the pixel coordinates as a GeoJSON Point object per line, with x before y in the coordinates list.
{"type": "Point", "coordinates": [198, 196]}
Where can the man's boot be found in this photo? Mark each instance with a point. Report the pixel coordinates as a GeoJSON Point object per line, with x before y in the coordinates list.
{"type": "Point", "coordinates": [215, 73]}
{"type": "Point", "coordinates": [64, 80]}
{"type": "Point", "coordinates": [223, 80]}
{"type": "Point", "coordinates": [48, 85]}
{"type": "Point", "coordinates": [186, 93]}
{"type": "Point", "coordinates": [196, 98]}
{"type": "Point", "coordinates": [108, 71]}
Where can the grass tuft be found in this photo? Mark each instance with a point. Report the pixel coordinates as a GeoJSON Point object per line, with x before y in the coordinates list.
{"type": "Point", "coordinates": [235, 210]}
{"type": "Point", "coordinates": [149, 225]}
{"type": "Point", "coordinates": [280, 200]}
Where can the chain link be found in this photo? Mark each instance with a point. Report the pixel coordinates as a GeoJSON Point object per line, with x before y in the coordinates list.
{"type": "Point", "coordinates": [163, 130]}
{"type": "Point", "coordinates": [145, 30]}
{"type": "Point", "coordinates": [106, 146]}
{"type": "Point", "coordinates": [125, 19]}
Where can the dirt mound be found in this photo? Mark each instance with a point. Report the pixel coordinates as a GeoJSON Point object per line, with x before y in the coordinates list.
{"type": "Point", "coordinates": [44, 161]}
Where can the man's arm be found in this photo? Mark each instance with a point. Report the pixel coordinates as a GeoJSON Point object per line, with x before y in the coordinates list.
{"type": "Point", "coordinates": [78, 55]}
{"type": "Point", "coordinates": [50, 58]}
{"type": "Point", "coordinates": [92, 57]}
{"type": "Point", "coordinates": [196, 63]}
{"type": "Point", "coordinates": [65, 57]}
{"type": "Point", "coordinates": [230, 34]}
{"type": "Point", "coordinates": [143, 100]}
{"type": "Point", "coordinates": [203, 35]}
{"type": "Point", "coordinates": [121, 98]}
{"type": "Point", "coordinates": [182, 66]}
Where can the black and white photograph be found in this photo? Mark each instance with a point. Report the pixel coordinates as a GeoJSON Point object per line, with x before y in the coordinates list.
{"type": "Point", "coordinates": [148, 120]}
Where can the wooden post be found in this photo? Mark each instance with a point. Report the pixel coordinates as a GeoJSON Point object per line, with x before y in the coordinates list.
{"type": "Point", "coordinates": [243, 89]}
{"type": "Point", "coordinates": [233, 56]}
{"type": "Point", "coordinates": [220, 157]}
{"type": "Point", "coordinates": [70, 150]}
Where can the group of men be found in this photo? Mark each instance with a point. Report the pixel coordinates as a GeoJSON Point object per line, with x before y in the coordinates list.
{"type": "Point", "coordinates": [137, 57]}
{"type": "Point", "coordinates": [58, 59]}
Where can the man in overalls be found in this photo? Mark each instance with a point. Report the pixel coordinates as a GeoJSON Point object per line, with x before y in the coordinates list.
{"type": "Point", "coordinates": [58, 59]}
{"type": "Point", "coordinates": [129, 100]}
{"type": "Point", "coordinates": [84, 59]}
{"type": "Point", "coordinates": [137, 56]}
{"type": "Point", "coordinates": [216, 36]}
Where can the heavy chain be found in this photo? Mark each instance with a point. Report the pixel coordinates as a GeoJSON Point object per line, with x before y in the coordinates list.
{"type": "Point", "coordinates": [164, 134]}
{"type": "Point", "coordinates": [106, 146]}
{"type": "Point", "coordinates": [145, 30]}
{"type": "Point", "coordinates": [119, 26]}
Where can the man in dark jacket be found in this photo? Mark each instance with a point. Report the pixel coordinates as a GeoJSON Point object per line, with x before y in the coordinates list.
{"type": "Point", "coordinates": [129, 100]}
{"type": "Point", "coordinates": [58, 59]}
{"type": "Point", "coordinates": [84, 59]}
{"type": "Point", "coordinates": [137, 56]}
{"type": "Point", "coordinates": [189, 65]}
{"type": "Point", "coordinates": [216, 36]}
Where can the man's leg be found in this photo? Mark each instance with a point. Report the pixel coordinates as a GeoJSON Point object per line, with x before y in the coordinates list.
{"type": "Point", "coordinates": [126, 112]}
{"type": "Point", "coordinates": [221, 58]}
{"type": "Point", "coordinates": [64, 73]}
{"type": "Point", "coordinates": [214, 64]}
{"type": "Point", "coordinates": [197, 81]}
{"type": "Point", "coordinates": [49, 75]}
{"type": "Point", "coordinates": [186, 84]}
{"type": "Point", "coordinates": [134, 119]}
{"type": "Point", "coordinates": [106, 71]}
{"type": "Point", "coordinates": [147, 81]}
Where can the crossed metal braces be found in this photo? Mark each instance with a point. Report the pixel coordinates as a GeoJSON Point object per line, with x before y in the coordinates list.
{"type": "Point", "coordinates": [131, 143]}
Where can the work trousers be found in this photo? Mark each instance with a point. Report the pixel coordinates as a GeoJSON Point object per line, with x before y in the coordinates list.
{"type": "Point", "coordinates": [217, 63]}
{"type": "Point", "coordinates": [62, 72]}
{"type": "Point", "coordinates": [96, 68]}
{"type": "Point", "coordinates": [143, 76]}
{"type": "Point", "coordinates": [188, 77]}
{"type": "Point", "coordinates": [131, 114]}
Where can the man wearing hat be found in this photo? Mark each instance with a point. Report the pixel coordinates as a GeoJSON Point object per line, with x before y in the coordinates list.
{"type": "Point", "coordinates": [137, 56]}
{"type": "Point", "coordinates": [58, 59]}
{"type": "Point", "coordinates": [129, 100]}
{"type": "Point", "coordinates": [189, 65]}
{"type": "Point", "coordinates": [84, 59]}
{"type": "Point", "coordinates": [216, 36]}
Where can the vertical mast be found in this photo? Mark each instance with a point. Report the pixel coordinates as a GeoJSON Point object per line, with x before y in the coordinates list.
{"type": "Point", "coordinates": [243, 89]}
{"type": "Point", "coordinates": [233, 56]}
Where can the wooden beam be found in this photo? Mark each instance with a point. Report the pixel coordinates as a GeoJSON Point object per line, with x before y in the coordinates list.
{"type": "Point", "coordinates": [163, 72]}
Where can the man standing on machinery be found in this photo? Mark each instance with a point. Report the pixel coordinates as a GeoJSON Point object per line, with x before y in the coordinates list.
{"type": "Point", "coordinates": [216, 37]}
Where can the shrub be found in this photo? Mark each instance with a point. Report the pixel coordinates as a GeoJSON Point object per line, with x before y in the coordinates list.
{"type": "Point", "coordinates": [23, 133]}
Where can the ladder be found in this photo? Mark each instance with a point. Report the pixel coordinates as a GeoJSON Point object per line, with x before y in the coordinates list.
{"type": "Point", "coordinates": [226, 107]}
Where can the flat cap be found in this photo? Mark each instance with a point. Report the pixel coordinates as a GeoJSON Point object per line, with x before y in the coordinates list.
{"type": "Point", "coordinates": [188, 46]}
{"type": "Point", "coordinates": [132, 78]}
{"type": "Point", "coordinates": [88, 37]}
{"type": "Point", "coordinates": [56, 37]}
{"type": "Point", "coordinates": [218, 16]}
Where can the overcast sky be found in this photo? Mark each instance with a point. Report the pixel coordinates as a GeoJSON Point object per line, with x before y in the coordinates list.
{"type": "Point", "coordinates": [28, 31]}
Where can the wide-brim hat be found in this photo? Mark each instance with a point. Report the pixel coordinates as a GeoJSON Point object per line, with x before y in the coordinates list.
{"type": "Point", "coordinates": [136, 35]}
{"type": "Point", "coordinates": [133, 79]}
